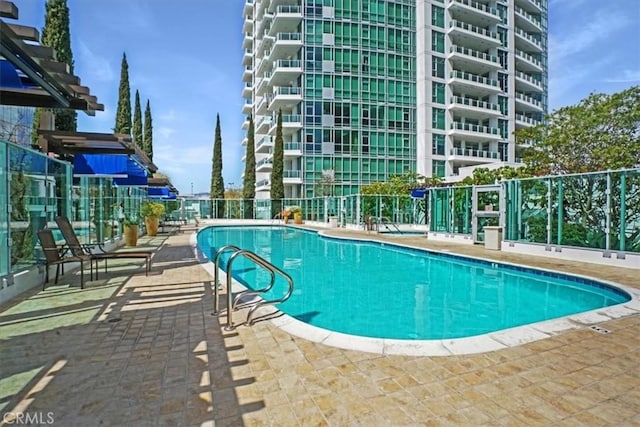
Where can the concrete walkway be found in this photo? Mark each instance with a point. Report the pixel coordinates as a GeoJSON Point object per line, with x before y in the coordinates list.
{"type": "Point", "coordinates": [136, 350]}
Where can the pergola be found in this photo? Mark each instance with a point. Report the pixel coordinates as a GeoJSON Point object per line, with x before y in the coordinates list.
{"type": "Point", "coordinates": [30, 74]}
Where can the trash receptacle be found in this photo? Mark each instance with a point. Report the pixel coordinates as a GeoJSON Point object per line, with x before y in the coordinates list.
{"type": "Point", "coordinates": [493, 237]}
{"type": "Point", "coordinates": [333, 222]}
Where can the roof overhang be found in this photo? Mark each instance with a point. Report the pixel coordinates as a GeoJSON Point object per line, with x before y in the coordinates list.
{"type": "Point", "coordinates": [47, 83]}
{"type": "Point", "coordinates": [65, 143]}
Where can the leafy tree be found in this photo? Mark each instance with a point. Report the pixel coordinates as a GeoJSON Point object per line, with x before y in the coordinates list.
{"type": "Point", "coordinates": [217, 183]}
{"type": "Point", "coordinates": [123, 112]}
{"type": "Point", "coordinates": [277, 171]}
{"type": "Point", "coordinates": [249, 184]}
{"type": "Point", "coordinates": [400, 184]}
{"type": "Point", "coordinates": [55, 34]}
{"type": "Point", "coordinates": [601, 132]}
{"type": "Point", "coordinates": [147, 145]}
{"type": "Point", "coordinates": [137, 123]}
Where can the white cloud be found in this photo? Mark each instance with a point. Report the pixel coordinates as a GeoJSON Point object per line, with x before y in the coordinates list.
{"type": "Point", "coordinates": [164, 132]}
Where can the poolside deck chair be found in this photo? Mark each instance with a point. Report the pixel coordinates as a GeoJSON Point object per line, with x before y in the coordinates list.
{"type": "Point", "coordinates": [79, 250]}
{"type": "Point", "coordinates": [54, 256]}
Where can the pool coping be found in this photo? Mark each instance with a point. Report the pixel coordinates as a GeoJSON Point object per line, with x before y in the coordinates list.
{"type": "Point", "coordinates": [492, 341]}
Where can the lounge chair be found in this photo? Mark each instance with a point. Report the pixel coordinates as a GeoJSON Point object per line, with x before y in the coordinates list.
{"type": "Point", "coordinates": [53, 255]}
{"type": "Point", "coordinates": [77, 249]}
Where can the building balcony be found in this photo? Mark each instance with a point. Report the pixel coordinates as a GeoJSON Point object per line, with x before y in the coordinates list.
{"type": "Point", "coordinates": [286, 18]}
{"type": "Point", "coordinates": [473, 12]}
{"type": "Point", "coordinates": [247, 107]}
{"type": "Point", "coordinates": [469, 156]}
{"type": "Point", "coordinates": [263, 105]}
{"type": "Point", "coordinates": [287, 45]}
{"type": "Point", "coordinates": [264, 145]}
{"type": "Point", "coordinates": [265, 164]}
{"type": "Point", "coordinates": [247, 11]}
{"type": "Point", "coordinates": [291, 123]}
{"type": "Point", "coordinates": [527, 63]}
{"type": "Point", "coordinates": [526, 83]}
{"type": "Point", "coordinates": [247, 74]}
{"type": "Point", "coordinates": [264, 23]}
{"type": "Point", "coordinates": [527, 103]}
{"type": "Point", "coordinates": [263, 125]}
{"type": "Point", "coordinates": [526, 42]}
{"type": "Point", "coordinates": [292, 176]}
{"type": "Point", "coordinates": [285, 97]}
{"type": "Point", "coordinates": [472, 36]}
{"type": "Point", "coordinates": [263, 84]}
{"type": "Point", "coordinates": [247, 90]}
{"type": "Point", "coordinates": [473, 108]}
{"type": "Point", "coordinates": [472, 60]}
{"type": "Point", "coordinates": [245, 141]}
{"type": "Point", "coordinates": [247, 27]}
{"type": "Point", "coordinates": [471, 132]}
{"type": "Point", "coordinates": [247, 58]}
{"type": "Point", "coordinates": [245, 124]}
{"type": "Point", "coordinates": [532, 6]}
{"type": "Point", "coordinates": [263, 185]}
{"type": "Point", "coordinates": [292, 149]}
{"type": "Point", "coordinates": [285, 71]}
{"type": "Point", "coordinates": [523, 121]}
{"type": "Point", "coordinates": [472, 84]}
{"type": "Point", "coordinates": [247, 41]}
{"type": "Point", "coordinates": [527, 21]}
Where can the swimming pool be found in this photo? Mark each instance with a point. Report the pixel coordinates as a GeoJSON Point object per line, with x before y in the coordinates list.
{"type": "Point", "coordinates": [381, 290]}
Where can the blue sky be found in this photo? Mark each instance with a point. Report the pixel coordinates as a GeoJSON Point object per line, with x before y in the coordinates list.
{"type": "Point", "coordinates": [185, 57]}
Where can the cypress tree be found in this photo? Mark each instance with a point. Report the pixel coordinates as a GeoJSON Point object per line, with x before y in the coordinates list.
{"type": "Point", "coordinates": [123, 113]}
{"type": "Point", "coordinates": [147, 145]}
{"type": "Point", "coordinates": [249, 184]}
{"type": "Point", "coordinates": [55, 34]}
{"type": "Point", "coordinates": [277, 171]}
{"type": "Point", "coordinates": [137, 123]}
{"type": "Point", "coordinates": [217, 183]}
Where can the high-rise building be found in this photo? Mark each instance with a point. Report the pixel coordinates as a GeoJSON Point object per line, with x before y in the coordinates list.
{"type": "Point", "coordinates": [342, 72]}
{"type": "Point", "coordinates": [369, 89]}
{"type": "Point", "coordinates": [482, 74]}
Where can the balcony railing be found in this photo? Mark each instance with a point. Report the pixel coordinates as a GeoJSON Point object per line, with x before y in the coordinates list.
{"type": "Point", "coordinates": [289, 37]}
{"type": "Point", "coordinates": [291, 118]}
{"type": "Point", "coordinates": [292, 174]}
{"type": "Point", "coordinates": [475, 54]}
{"type": "Point", "coordinates": [292, 146]}
{"type": "Point", "coordinates": [265, 161]}
{"type": "Point", "coordinates": [527, 57]}
{"type": "Point", "coordinates": [288, 9]}
{"type": "Point", "coordinates": [479, 6]}
{"type": "Point", "coordinates": [528, 37]}
{"type": "Point", "coordinates": [534, 20]}
{"type": "Point", "coordinates": [474, 78]}
{"type": "Point", "coordinates": [288, 63]}
{"type": "Point", "coordinates": [528, 78]}
{"type": "Point", "coordinates": [529, 120]}
{"type": "Point", "coordinates": [474, 29]}
{"type": "Point", "coordinates": [475, 128]}
{"type": "Point", "coordinates": [474, 103]}
{"type": "Point", "coordinates": [528, 99]}
{"type": "Point", "coordinates": [286, 90]}
{"type": "Point", "coordinates": [474, 153]}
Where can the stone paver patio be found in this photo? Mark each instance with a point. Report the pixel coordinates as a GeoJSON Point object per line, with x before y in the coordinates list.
{"type": "Point", "coordinates": [136, 350]}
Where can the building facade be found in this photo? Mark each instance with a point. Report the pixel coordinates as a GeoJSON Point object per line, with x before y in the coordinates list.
{"type": "Point", "coordinates": [482, 74]}
{"type": "Point", "coordinates": [369, 89]}
{"type": "Point", "coordinates": [342, 73]}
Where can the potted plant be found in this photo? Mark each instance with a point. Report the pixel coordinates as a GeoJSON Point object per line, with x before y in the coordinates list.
{"type": "Point", "coordinates": [130, 227]}
{"type": "Point", "coordinates": [151, 212]}
{"type": "Point", "coordinates": [297, 214]}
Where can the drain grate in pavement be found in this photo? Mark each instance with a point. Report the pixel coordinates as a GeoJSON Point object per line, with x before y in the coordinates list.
{"type": "Point", "coordinates": [599, 329]}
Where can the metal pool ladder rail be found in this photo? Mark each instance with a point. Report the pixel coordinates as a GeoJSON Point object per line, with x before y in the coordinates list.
{"type": "Point", "coordinates": [231, 304]}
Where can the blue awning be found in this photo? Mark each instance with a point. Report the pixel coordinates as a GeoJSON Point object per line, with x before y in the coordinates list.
{"type": "Point", "coordinates": [100, 165]}
{"type": "Point", "coordinates": [158, 192]}
{"type": "Point", "coordinates": [418, 193]}
{"type": "Point", "coordinates": [136, 175]}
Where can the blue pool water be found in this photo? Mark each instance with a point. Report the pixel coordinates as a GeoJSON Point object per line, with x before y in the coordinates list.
{"type": "Point", "coordinates": [384, 291]}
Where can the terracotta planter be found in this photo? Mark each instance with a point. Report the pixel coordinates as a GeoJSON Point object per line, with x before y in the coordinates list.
{"type": "Point", "coordinates": [130, 235]}
{"type": "Point", "coordinates": [297, 218]}
{"type": "Point", "coordinates": [152, 224]}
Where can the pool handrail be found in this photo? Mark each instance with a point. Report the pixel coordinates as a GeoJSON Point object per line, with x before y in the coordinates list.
{"type": "Point", "coordinates": [216, 274]}
{"type": "Point", "coordinates": [266, 265]}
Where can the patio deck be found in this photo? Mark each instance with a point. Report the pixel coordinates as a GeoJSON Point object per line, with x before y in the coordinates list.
{"type": "Point", "coordinates": [136, 350]}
